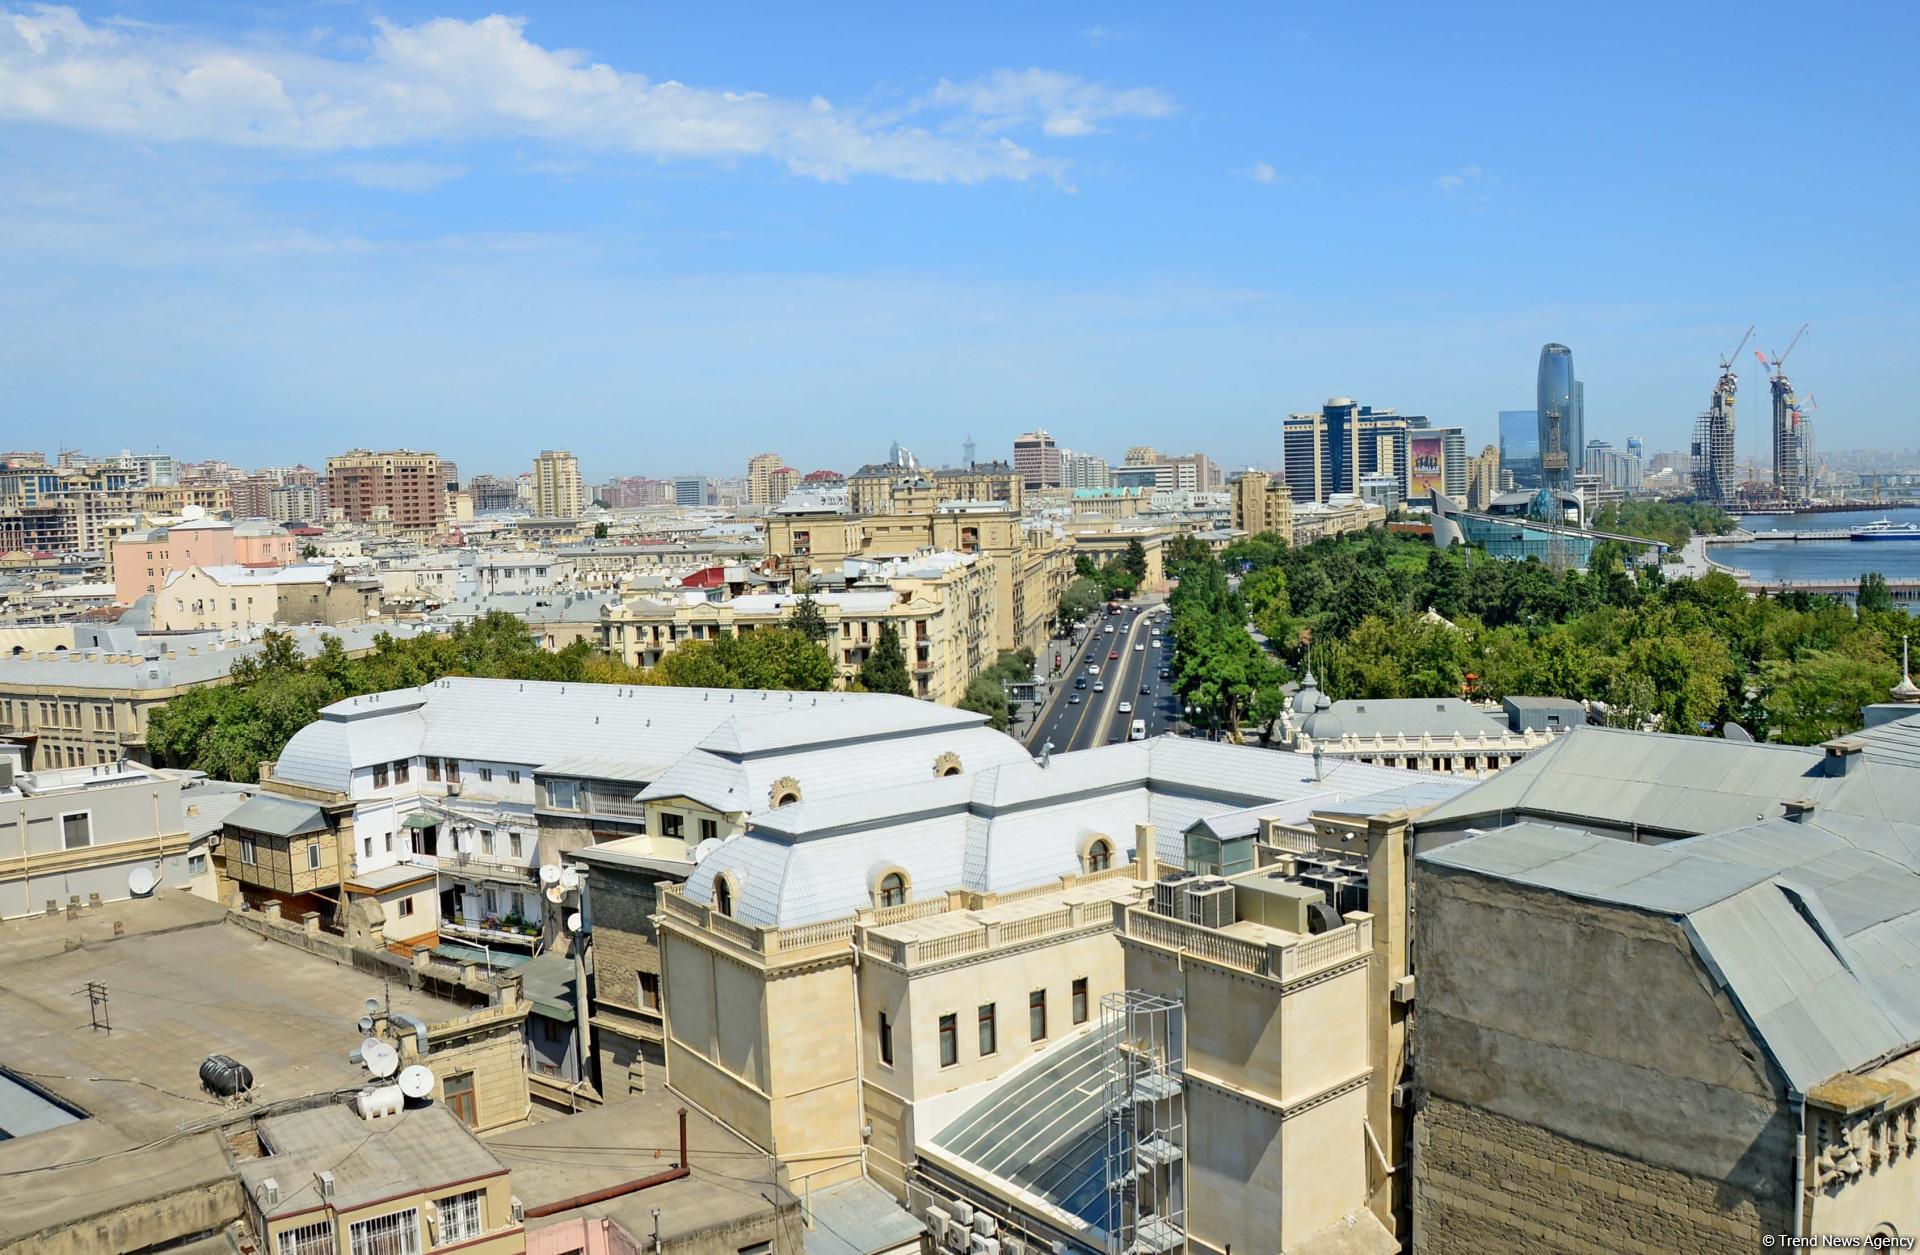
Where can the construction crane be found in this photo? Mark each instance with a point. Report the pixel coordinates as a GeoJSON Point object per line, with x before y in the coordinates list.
{"type": "Point", "coordinates": [1713, 461]}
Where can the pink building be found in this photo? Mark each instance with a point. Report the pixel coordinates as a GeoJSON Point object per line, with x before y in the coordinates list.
{"type": "Point", "coordinates": [143, 560]}
{"type": "Point", "coordinates": [583, 1236]}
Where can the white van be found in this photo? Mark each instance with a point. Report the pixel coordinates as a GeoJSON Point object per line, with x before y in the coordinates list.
{"type": "Point", "coordinates": [1139, 730]}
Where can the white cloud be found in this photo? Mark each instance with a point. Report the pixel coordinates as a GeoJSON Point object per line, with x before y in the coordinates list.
{"type": "Point", "coordinates": [448, 80]}
{"type": "Point", "coordinates": [1098, 35]}
{"type": "Point", "coordinates": [1061, 105]}
{"type": "Point", "coordinates": [1470, 184]}
{"type": "Point", "coordinates": [1261, 172]}
{"type": "Point", "coordinates": [400, 176]}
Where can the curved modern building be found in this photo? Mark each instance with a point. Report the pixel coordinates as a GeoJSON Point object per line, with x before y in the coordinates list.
{"type": "Point", "coordinates": [1558, 410]}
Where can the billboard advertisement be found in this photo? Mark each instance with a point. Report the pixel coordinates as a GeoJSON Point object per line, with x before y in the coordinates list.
{"type": "Point", "coordinates": [1428, 457]}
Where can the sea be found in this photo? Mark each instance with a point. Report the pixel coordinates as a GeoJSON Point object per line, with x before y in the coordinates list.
{"type": "Point", "coordinates": [1822, 559]}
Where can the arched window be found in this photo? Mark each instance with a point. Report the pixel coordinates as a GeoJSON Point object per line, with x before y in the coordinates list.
{"type": "Point", "coordinates": [1099, 856]}
{"type": "Point", "coordinates": [785, 799]}
{"type": "Point", "coordinates": [722, 895]}
{"type": "Point", "coordinates": [893, 889]}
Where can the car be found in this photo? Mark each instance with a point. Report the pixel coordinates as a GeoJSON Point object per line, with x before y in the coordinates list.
{"type": "Point", "coordinates": [1099, 686]}
{"type": "Point", "coordinates": [1113, 655]}
{"type": "Point", "coordinates": [1126, 708]}
{"type": "Point", "coordinates": [1073, 699]}
{"type": "Point", "coordinates": [1109, 629]}
{"type": "Point", "coordinates": [1146, 690]}
{"type": "Point", "coordinates": [1080, 682]}
{"type": "Point", "coordinates": [1140, 649]}
{"type": "Point", "coordinates": [1093, 668]}
{"type": "Point", "coordinates": [1166, 674]}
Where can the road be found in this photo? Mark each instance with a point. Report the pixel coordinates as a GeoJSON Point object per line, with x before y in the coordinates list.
{"type": "Point", "coordinates": [1096, 718]}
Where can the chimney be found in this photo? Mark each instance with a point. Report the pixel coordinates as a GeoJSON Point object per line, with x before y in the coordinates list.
{"type": "Point", "coordinates": [1146, 863]}
{"type": "Point", "coordinates": [1843, 755]}
{"type": "Point", "coordinates": [1796, 810]}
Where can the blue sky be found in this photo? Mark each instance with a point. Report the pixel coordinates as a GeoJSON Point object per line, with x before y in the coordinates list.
{"type": "Point", "coordinates": [670, 236]}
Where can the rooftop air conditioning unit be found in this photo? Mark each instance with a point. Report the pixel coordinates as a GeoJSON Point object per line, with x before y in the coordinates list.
{"type": "Point", "coordinates": [270, 1191]}
{"type": "Point", "coordinates": [963, 1213]}
{"type": "Point", "coordinates": [984, 1224]}
{"type": "Point", "coordinates": [984, 1246]}
{"type": "Point", "coordinates": [937, 1223]}
{"type": "Point", "coordinates": [1169, 894]}
{"type": "Point", "coordinates": [1210, 903]}
{"type": "Point", "coordinates": [958, 1235]}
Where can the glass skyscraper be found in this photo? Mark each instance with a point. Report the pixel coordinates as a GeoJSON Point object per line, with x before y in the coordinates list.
{"type": "Point", "coordinates": [1520, 446]}
{"type": "Point", "coordinates": [1560, 420]}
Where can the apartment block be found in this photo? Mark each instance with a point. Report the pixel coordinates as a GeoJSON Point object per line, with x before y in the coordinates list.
{"type": "Point", "coordinates": [557, 489]}
{"type": "Point", "coordinates": [143, 561]}
{"type": "Point", "coordinates": [401, 489]}
{"type": "Point", "coordinates": [1262, 504]}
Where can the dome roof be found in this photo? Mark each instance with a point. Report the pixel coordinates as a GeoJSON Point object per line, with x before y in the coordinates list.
{"type": "Point", "coordinates": [1308, 698]}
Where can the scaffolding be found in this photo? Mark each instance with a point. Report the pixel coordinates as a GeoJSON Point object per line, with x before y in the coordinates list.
{"type": "Point", "coordinates": [1146, 1123]}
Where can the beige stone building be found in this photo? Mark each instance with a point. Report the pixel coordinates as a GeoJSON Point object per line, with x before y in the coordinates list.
{"type": "Point", "coordinates": [1031, 563]}
{"type": "Point", "coordinates": [761, 468]}
{"type": "Point", "coordinates": [1262, 504]}
{"type": "Point", "coordinates": [1333, 517]}
{"type": "Point", "coordinates": [1483, 478]}
{"type": "Point", "coordinates": [557, 489]}
{"type": "Point", "coordinates": [884, 488]}
{"type": "Point", "coordinates": [943, 606]}
{"type": "Point", "coordinates": [1445, 735]}
{"type": "Point", "coordinates": [210, 599]}
{"type": "Point", "coordinates": [1103, 542]}
{"type": "Point", "coordinates": [971, 927]}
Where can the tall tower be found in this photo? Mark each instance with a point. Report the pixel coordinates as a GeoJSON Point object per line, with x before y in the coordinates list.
{"type": "Point", "coordinates": [1559, 417]}
{"type": "Point", "coordinates": [1792, 441]}
{"type": "Point", "coordinates": [966, 452]}
{"type": "Point", "coordinates": [557, 490]}
{"type": "Point", "coordinates": [1713, 453]}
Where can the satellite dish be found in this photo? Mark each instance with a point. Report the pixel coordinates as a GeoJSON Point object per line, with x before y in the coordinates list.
{"type": "Point", "coordinates": [569, 878]}
{"type": "Point", "coordinates": [416, 1081]}
{"type": "Point", "coordinates": [373, 1004]}
{"type": "Point", "coordinates": [371, 1044]}
{"type": "Point", "coordinates": [550, 875]}
{"type": "Point", "coordinates": [574, 921]}
{"type": "Point", "coordinates": [366, 1024]}
{"type": "Point", "coordinates": [140, 881]}
{"type": "Point", "coordinates": [383, 1060]}
{"type": "Point", "coordinates": [1734, 732]}
{"type": "Point", "coordinates": [556, 895]}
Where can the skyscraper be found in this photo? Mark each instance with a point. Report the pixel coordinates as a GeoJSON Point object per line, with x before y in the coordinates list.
{"type": "Point", "coordinates": [1559, 417]}
{"type": "Point", "coordinates": [1329, 452]}
{"type": "Point", "coordinates": [1520, 446]}
{"type": "Point", "coordinates": [557, 490]}
{"type": "Point", "coordinates": [1037, 459]}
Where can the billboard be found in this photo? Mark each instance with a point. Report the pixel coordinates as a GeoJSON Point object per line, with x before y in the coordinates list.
{"type": "Point", "coordinates": [1429, 459]}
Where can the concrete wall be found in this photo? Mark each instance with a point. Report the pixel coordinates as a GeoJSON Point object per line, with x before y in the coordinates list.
{"type": "Point", "coordinates": [1582, 1080]}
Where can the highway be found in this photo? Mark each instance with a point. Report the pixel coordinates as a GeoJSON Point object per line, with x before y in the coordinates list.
{"type": "Point", "coordinates": [1096, 718]}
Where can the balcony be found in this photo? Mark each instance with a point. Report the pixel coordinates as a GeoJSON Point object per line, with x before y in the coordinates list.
{"type": "Point", "coordinates": [477, 867]}
{"type": "Point", "coordinates": [498, 935]}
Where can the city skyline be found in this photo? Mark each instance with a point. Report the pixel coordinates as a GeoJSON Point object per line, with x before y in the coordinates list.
{"type": "Point", "coordinates": [1111, 233]}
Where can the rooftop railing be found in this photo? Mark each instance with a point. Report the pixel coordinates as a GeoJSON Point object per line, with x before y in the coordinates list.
{"type": "Point", "coordinates": [1277, 960]}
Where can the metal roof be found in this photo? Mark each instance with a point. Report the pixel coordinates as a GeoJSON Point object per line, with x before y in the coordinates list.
{"type": "Point", "coordinates": [419, 1149]}
{"type": "Point", "coordinates": [857, 1217]}
{"type": "Point", "coordinates": [277, 816]}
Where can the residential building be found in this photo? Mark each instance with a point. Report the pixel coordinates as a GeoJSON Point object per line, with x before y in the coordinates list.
{"type": "Point", "coordinates": [1032, 563]}
{"type": "Point", "coordinates": [943, 606]}
{"type": "Point", "coordinates": [557, 489]}
{"type": "Point", "coordinates": [65, 509]}
{"type": "Point", "coordinates": [399, 488]}
{"type": "Point", "coordinates": [1327, 453]}
{"type": "Point", "coordinates": [690, 490]}
{"type": "Point", "coordinates": [915, 978]}
{"type": "Point", "coordinates": [215, 598]}
{"type": "Point", "coordinates": [211, 498]}
{"type": "Point", "coordinates": [328, 1179]}
{"type": "Point", "coordinates": [1082, 470]}
{"type": "Point", "coordinates": [296, 503]}
{"type": "Point", "coordinates": [97, 1164]}
{"type": "Point", "coordinates": [760, 469]}
{"type": "Point", "coordinates": [144, 560]}
{"type": "Point", "coordinates": [1262, 504]}
{"type": "Point", "coordinates": [1667, 994]}
{"type": "Point", "coordinates": [1445, 735]}
{"type": "Point", "coordinates": [1141, 455]}
{"type": "Point", "coordinates": [99, 833]}
{"type": "Point", "coordinates": [1483, 478]}
{"type": "Point", "coordinates": [155, 470]}
{"type": "Point", "coordinates": [1618, 469]}
{"type": "Point", "coordinates": [883, 488]}
{"type": "Point", "coordinates": [1194, 472]}
{"type": "Point", "coordinates": [250, 497]}
{"type": "Point", "coordinates": [1036, 458]}
{"type": "Point", "coordinates": [87, 700]}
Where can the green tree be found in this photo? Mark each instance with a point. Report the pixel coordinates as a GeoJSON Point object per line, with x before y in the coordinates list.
{"type": "Point", "coordinates": [599, 531]}
{"type": "Point", "coordinates": [1820, 696]}
{"type": "Point", "coordinates": [1081, 598]}
{"type": "Point", "coordinates": [806, 619]}
{"type": "Point", "coordinates": [985, 696]}
{"type": "Point", "coordinates": [310, 551]}
{"type": "Point", "coordinates": [1134, 560]}
{"type": "Point", "coordinates": [885, 668]}
{"type": "Point", "coordinates": [1873, 597]}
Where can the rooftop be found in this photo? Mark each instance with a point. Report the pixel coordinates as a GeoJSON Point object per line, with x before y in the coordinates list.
{"type": "Point", "coordinates": [422, 1147]}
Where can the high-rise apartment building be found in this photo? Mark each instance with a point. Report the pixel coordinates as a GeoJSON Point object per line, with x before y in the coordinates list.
{"type": "Point", "coordinates": [402, 487]}
{"type": "Point", "coordinates": [557, 490]}
{"type": "Point", "coordinates": [760, 472]}
{"type": "Point", "coordinates": [1561, 421]}
{"type": "Point", "coordinates": [1327, 453]}
{"type": "Point", "coordinates": [1617, 468]}
{"type": "Point", "coordinates": [1141, 455]}
{"type": "Point", "coordinates": [295, 503]}
{"type": "Point", "coordinates": [1262, 504]}
{"type": "Point", "coordinates": [492, 493]}
{"type": "Point", "coordinates": [1037, 459]}
{"type": "Point", "coordinates": [1483, 479]}
{"type": "Point", "coordinates": [1520, 447]}
{"type": "Point", "coordinates": [250, 497]}
{"type": "Point", "coordinates": [1083, 470]}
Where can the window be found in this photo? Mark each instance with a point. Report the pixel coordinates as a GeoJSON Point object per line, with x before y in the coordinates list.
{"type": "Point", "coordinates": [649, 990]}
{"type": "Point", "coordinates": [462, 1216]}
{"type": "Point", "coordinates": [493, 900]}
{"type": "Point", "coordinates": [513, 843]}
{"type": "Point", "coordinates": [513, 777]}
{"type": "Point", "coordinates": [722, 896]}
{"type": "Point", "coordinates": [76, 830]}
{"type": "Point", "coordinates": [196, 864]}
{"type": "Point", "coordinates": [308, 1239]}
{"type": "Point", "coordinates": [949, 1040]}
{"type": "Point", "coordinates": [1079, 1000]}
{"type": "Point", "coordinates": [457, 1092]}
{"type": "Point", "coordinates": [406, 907]}
{"type": "Point", "coordinates": [380, 776]}
{"type": "Point", "coordinates": [313, 856]}
{"type": "Point", "coordinates": [402, 771]}
{"type": "Point", "coordinates": [486, 774]}
{"type": "Point", "coordinates": [1099, 856]}
{"type": "Point", "coordinates": [389, 843]}
{"type": "Point", "coordinates": [453, 770]}
{"type": "Point", "coordinates": [486, 842]}
{"type": "Point", "coordinates": [709, 829]}
{"type": "Point", "coordinates": [396, 1233]}
{"type": "Point", "coordinates": [563, 795]}
{"type": "Point", "coordinates": [433, 769]}
{"type": "Point", "coordinates": [670, 824]}
{"type": "Point", "coordinates": [886, 1039]}
{"type": "Point", "coordinates": [893, 889]}
{"type": "Point", "coordinates": [246, 851]}
{"type": "Point", "coordinates": [756, 1248]}
{"type": "Point", "coordinates": [1037, 1015]}
{"type": "Point", "coordinates": [989, 1037]}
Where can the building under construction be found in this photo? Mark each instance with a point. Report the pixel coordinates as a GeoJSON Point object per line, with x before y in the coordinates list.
{"type": "Point", "coordinates": [1714, 479]}
{"type": "Point", "coordinates": [1793, 466]}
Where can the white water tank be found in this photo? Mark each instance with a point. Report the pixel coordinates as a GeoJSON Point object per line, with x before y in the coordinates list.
{"type": "Point", "coordinates": [384, 1100]}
